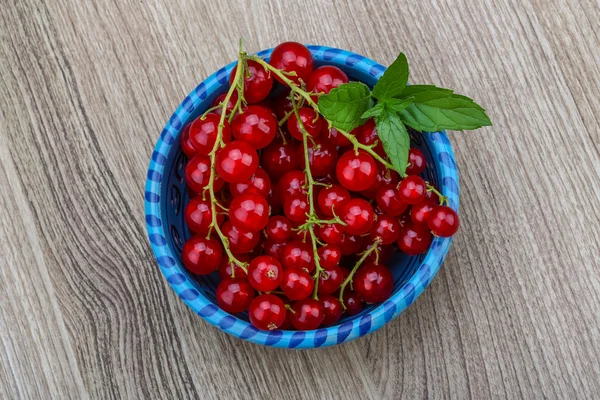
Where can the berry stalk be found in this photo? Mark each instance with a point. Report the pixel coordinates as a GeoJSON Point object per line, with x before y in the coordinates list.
{"type": "Point", "coordinates": [373, 248]}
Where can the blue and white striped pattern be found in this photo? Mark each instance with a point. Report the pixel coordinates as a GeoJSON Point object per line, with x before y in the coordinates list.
{"type": "Point", "coordinates": [165, 197]}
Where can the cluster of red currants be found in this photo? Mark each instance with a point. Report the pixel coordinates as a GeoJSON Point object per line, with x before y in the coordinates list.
{"type": "Point", "coordinates": [268, 223]}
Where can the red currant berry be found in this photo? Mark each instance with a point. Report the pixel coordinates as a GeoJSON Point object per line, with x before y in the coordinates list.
{"type": "Point", "coordinates": [236, 162]}
{"type": "Point", "coordinates": [443, 221]}
{"type": "Point", "coordinates": [385, 176]}
{"type": "Point", "coordinates": [337, 138]}
{"type": "Point", "coordinates": [227, 266]}
{"type": "Point", "coordinates": [292, 184]}
{"type": "Point", "coordinates": [368, 136]}
{"type": "Point", "coordinates": [203, 132]}
{"type": "Point", "coordinates": [325, 78]}
{"type": "Point", "coordinates": [331, 233]}
{"type": "Point", "coordinates": [297, 284]}
{"type": "Point", "coordinates": [292, 57]}
{"type": "Point", "coordinates": [329, 255]}
{"type": "Point", "coordinates": [249, 212]}
{"type": "Point", "coordinates": [201, 256]}
{"type": "Point", "coordinates": [197, 174]}
{"type": "Point", "coordinates": [186, 144]}
{"type": "Point", "coordinates": [274, 249]}
{"type": "Point", "coordinates": [373, 283]}
{"type": "Point", "coordinates": [313, 123]}
{"type": "Point", "coordinates": [257, 82]}
{"type": "Point", "coordinates": [267, 312]}
{"type": "Point", "coordinates": [332, 199]}
{"type": "Point", "coordinates": [412, 189]}
{"type": "Point", "coordinates": [431, 195]}
{"type": "Point", "coordinates": [279, 158]}
{"type": "Point", "coordinates": [352, 302]}
{"type": "Point", "coordinates": [307, 314]}
{"type": "Point", "coordinates": [419, 213]}
{"type": "Point", "coordinates": [414, 240]}
{"type": "Point", "coordinates": [322, 156]}
{"type": "Point", "coordinates": [296, 208]}
{"type": "Point", "coordinates": [332, 308]}
{"type": "Point", "coordinates": [358, 216]}
{"type": "Point", "coordinates": [330, 280]}
{"type": "Point", "coordinates": [279, 228]}
{"type": "Point", "coordinates": [388, 200]}
{"type": "Point", "coordinates": [356, 171]}
{"type": "Point", "coordinates": [198, 215]}
{"type": "Point", "coordinates": [234, 295]}
{"type": "Point", "coordinates": [240, 241]}
{"type": "Point", "coordinates": [385, 228]}
{"type": "Point", "coordinates": [350, 244]}
{"type": "Point", "coordinates": [264, 273]}
{"type": "Point", "coordinates": [417, 162]}
{"type": "Point", "coordinates": [218, 101]}
{"type": "Point", "coordinates": [255, 125]}
{"type": "Point", "coordinates": [282, 104]}
{"type": "Point", "coordinates": [298, 254]}
{"type": "Point", "coordinates": [259, 183]}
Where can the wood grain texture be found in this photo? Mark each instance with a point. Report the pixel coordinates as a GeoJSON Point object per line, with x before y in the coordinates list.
{"type": "Point", "coordinates": [85, 89]}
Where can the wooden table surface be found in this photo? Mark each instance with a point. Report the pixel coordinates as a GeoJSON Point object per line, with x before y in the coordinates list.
{"type": "Point", "coordinates": [85, 89]}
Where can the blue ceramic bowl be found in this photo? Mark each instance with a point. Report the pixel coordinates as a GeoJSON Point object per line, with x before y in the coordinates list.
{"type": "Point", "coordinates": [166, 198]}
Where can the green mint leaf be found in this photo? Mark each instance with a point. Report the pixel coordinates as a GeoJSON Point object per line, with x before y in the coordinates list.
{"type": "Point", "coordinates": [373, 112]}
{"type": "Point", "coordinates": [435, 109]}
{"type": "Point", "coordinates": [393, 80]}
{"type": "Point", "coordinates": [398, 105]}
{"type": "Point", "coordinates": [394, 137]}
{"type": "Point", "coordinates": [345, 105]}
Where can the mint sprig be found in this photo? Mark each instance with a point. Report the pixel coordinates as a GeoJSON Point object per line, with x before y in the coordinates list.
{"type": "Point", "coordinates": [422, 107]}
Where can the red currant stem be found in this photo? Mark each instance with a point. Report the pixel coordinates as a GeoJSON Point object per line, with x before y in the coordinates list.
{"type": "Point", "coordinates": [218, 143]}
{"type": "Point", "coordinates": [276, 292]}
{"type": "Point", "coordinates": [431, 188]}
{"type": "Point", "coordinates": [373, 248]}
{"type": "Point", "coordinates": [203, 116]}
{"type": "Point", "coordinates": [290, 309]}
{"type": "Point", "coordinates": [293, 86]}
{"type": "Point", "coordinates": [285, 118]}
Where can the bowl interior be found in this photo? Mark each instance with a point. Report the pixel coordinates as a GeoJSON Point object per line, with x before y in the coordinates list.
{"type": "Point", "coordinates": [173, 196]}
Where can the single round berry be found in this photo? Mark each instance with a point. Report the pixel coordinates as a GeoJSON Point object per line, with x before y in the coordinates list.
{"type": "Point", "coordinates": [417, 162]}
{"type": "Point", "coordinates": [228, 266]}
{"type": "Point", "coordinates": [197, 174]}
{"type": "Point", "coordinates": [236, 162]}
{"type": "Point", "coordinates": [198, 215]}
{"type": "Point", "coordinates": [412, 189]}
{"type": "Point", "coordinates": [240, 241]}
{"type": "Point", "coordinates": [267, 312]}
{"type": "Point", "coordinates": [279, 228]}
{"type": "Point", "coordinates": [356, 171]}
{"type": "Point", "coordinates": [297, 284]}
{"type": "Point", "coordinates": [264, 273]}
{"type": "Point", "coordinates": [358, 216]}
{"type": "Point", "coordinates": [443, 221]}
{"type": "Point", "coordinates": [414, 240]}
{"type": "Point", "coordinates": [257, 82]}
{"type": "Point", "coordinates": [292, 57]}
{"type": "Point", "coordinates": [368, 136]}
{"type": "Point", "coordinates": [322, 156]}
{"type": "Point", "coordinates": [259, 183]}
{"type": "Point", "coordinates": [296, 208]}
{"type": "Point", "coordinates": [350, 244]}
{"type": "Point", "coordinates": [307, 314]}
{"type": "Point", "coordinates": [279, 158]}
{"type": "Point", "coordinates": [292, 184]}
{"type": "Point", "coordinates": [332, 199]}
{"type": "Point", "coordinates": [255, 125]}
{"type": "Point", "coordinates": [274, 249]}
{"type": "Point", "coordinates": [297, 254]}
{"type": "Point", "coordinates": [330, 280]}
{"type": "Point", "coordinates": [234, 295]}
{"type": "Point", "coordinates": [386, 229]}
{"type": "Point", "coordinates": [329, 255]}
{"type": "Point", "coordinates": [419, 213]}
{"type": "Point", "coordinates": [325, 78]}
{"type": "Point", "coordinates": [330, 233]}
{"type": "Point", "coordinates": [332, 309]}
{"type": "Point", "coordinates": [337, 138]}
{"type": "Point", "coordinates": [186, 144]}
{"type": "Point", "coordinates": [313, 123]}
{"type": "Point", "coordinates": [249, 212]}
{"type": "Point", "coordinates": [352, 302]}
{"type": "Point", "coordinates": [389, 201]}
{"type": "Point", "coordinates": [218, 101]}
{"type": "Point", "coordinates": [204, 131]}
{"type": "Point", "coordinates": [201, 256]}
{"type": "Point", "coordinates": [373, 283]}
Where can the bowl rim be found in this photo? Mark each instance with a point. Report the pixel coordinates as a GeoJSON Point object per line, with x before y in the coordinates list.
{"type": "Point", "coordinates": [177, 276]}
